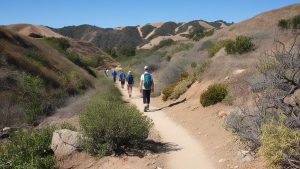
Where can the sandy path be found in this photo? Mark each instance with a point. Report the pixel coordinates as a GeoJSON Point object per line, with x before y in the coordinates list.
{"type": "Point", "coordinates": [190, 154]}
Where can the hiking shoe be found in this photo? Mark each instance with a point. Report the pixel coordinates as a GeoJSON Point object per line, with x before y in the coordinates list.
{"type": "Point", "coordinates": [130, 96]}
{"type": "Point", "coordinates": [145, 108]}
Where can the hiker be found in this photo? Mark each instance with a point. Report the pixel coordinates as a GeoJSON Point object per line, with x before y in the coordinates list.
{"type": "Point", "coordinates": [114, 75]}
{"type": "Point", "coordinates": [106, 72]}
{"type": "Point", "coordinates": [146, 87]}
{"type": "Point", "coordinates": [122, 78]}
{"type": "Point", "coordinates": [130, 82]}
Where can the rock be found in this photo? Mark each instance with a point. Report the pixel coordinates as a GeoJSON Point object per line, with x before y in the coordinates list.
{"type": "Point", "coordinates": [222, 160]}
{"type": "Point", "coordinates": [227, 78]}
{"type": "Point", "coordinates": [248, 158]}
{"type": "Point", "coordinates": [222, 114]}
{"type": "Point", "coordinates": [64, 142]}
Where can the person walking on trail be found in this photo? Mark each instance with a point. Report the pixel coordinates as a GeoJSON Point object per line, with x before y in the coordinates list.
{"type": "Point", "coordinates": [146, 87]}
{"type": "Point", "coordinates": [130, 82]}
{"type": "Point", "coordinates": [106, 72]}
{"type": "Point", "coordinates": [122, 78]}
{"type": "Point", "coordinates": [114, 75]}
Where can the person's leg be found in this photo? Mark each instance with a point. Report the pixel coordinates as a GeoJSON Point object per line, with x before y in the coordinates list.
{"type": "Point", "coordinates": [148, 93]}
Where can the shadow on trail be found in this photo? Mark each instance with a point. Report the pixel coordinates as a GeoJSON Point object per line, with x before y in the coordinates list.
{"type": "Point", "coordinates": [152, 147]}
{"type": "Point", "coordinates": [170, 105]}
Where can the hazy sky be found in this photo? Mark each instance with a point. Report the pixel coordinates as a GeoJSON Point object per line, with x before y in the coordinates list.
{"type": "Point", "coordinates": [113, 13]}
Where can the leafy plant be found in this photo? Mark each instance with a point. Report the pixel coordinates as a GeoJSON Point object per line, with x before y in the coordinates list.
{"type": "Point", "coordinates": [216, 47]}
{"type": "Point", "coordinates": [280, 145]}
{"type": "Point", "coordinates": [164, 43]}
{"type": "Point", "coordinates": [28, 149]}
{"type": "Point", "coordinates": [214, 94]}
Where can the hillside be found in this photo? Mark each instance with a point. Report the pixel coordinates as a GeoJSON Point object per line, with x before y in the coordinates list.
{"type": "Point", "coordinates": [44, 71]}
{"type": "Point", "coordinates": [134, 35]}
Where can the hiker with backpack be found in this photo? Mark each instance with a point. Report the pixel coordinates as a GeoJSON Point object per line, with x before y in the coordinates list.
{"type": "Point", "coordinates": [146, 87]}
{"type": "Point", "coordinates": [114, 75]}
{"type": "Point", "coordinates": [122, 78]}
{"type": "Point", "coordinates": [130, 82]}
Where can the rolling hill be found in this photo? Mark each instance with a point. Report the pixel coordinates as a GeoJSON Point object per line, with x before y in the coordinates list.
{"type": "Point", "coordinates": [135, 35]}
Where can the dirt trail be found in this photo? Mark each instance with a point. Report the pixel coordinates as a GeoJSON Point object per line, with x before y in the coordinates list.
{"type": "Point", "coordinates": [190, 153]}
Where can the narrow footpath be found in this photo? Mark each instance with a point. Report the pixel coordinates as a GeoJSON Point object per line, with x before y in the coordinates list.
{"type": "Point", "coordinates": [189, 153]}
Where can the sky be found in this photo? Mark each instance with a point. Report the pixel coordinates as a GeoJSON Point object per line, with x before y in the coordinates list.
{"type": "Point", "coordinates": [114, 13]}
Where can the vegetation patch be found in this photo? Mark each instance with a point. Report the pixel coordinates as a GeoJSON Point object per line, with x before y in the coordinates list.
{"type": "Point", "coordinates": [111, 126]}
{"type": "Point", "coordinates": [280, 145]}
{"type": "Point", "coordinates": [214, 94]}
{"type": "Point", "coordinates": [198, 35]}
{"type": "Point", "coordinates": [28, 149]}
{"type": "Point", "coordinates": [183, 47]}
{"type": "Point", "coordinates": [292, 23]}
{"type": "Point", "coordinates": [216, 47]}
{"type": "Point", "coordinates": [164, 43]}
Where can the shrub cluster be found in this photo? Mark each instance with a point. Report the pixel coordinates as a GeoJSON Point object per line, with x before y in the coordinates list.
{"type": "Point", "coordinates": [216, 47]}
{"type": "Point", "coordinates": [110, 125]}
{"type": "Point", "coordinates": [164, 43]}
{"type": "Point", "coordinates": [198, 35]}
{"type": "Point", "coordinates": [280, 145]}
{"type": "Point", "coordinates": [182, 47]}
{"type": "Point", "coordinates": [242, 44]}
{"type": "Point", "coordinates": [28, 149]}
{"type": "Point", "coordinates": [181, 87]}
{"type": "Point", "coordinates": [214, 94]}
{"type": "Point", "coordinates": [292, 23]}
{"type": "Point", "coordinates": [167, 91]}
{"type": "Point", "coordinates": [32, 96]}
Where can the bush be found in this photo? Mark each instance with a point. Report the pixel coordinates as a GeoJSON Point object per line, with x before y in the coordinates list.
{"type": "Point", "coordinates": [216, 47]}
{"type": "Point", "coordinates": [280, 145]}
{"type": "Point", "coordinates": [292, 23]}
{"type": "Point", "coordinates": [111, 51]}
{"type": "Point", "coordinates": [167, 91]}
{"type": "Point", "coordinates": [33, 89]}
{"type": "Point", "coordinates": [71, 82]}
{"type": "Point", "coordinates": [214, 94]}
{"type": "Point", "coordinates": [111, 126]}
{"type": "Point", "coordinates": [28, 149]}
{"type": "Point", "coordinates": [243, 44]}
{"type": "Point", "coordinates": [164, 43]}
{"type": "Point", "coordinates": [58, 43]}
{"type": "Point", "coordinates": [126, 50]}
{"type": "Point", "coordinates": [230, 47]}
{"type": "Point", "coordinates": [36, 57]}
{"type": "Point", "coordinates": [193, 64]}
{"type": "Point", "coordinates": [182, 87]}
{"type": "Point", "coordinates": [183, 47]}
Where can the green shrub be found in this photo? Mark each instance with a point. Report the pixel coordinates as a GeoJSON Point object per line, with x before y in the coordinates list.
{"type": "Point", "coordinates": [126, 50]}
{"type": "Point", "coordinates": [181, 87]}
{"type": "Point", "coordinates": [110, 125]}
{"type": "Point", "coordinates": [193, 64]}
{"type": "Point", "coordinates": [199, 34]}
{"type": "Point", "coordinates": [292, 23]}
{"type": "Point", "coordinates": [243, 44]}
{"type": "Point", "coordinates": [36, 56]}
{"type": "Point", "coordinates": [111, 51]}
{"type": "Point", "coordinates": [93, 61]}
{"type": "Point", "coordinates": [58, 43]}
{"type": "Point", "coordinates": [214, 94]}
{"type": "Point", "coordinates": [28, 149]}
{"type": "Point", "coordinates": [280, 145]}
{"type": "Point", "coordinates": [167, 91]}
{"type": "Point", "coordinates": [164, 43]}
{"type": "Point", "coordinates": [183, 47]}
{"type": "Point", "coordinates": [230, 47]}
{"type": "Point", "coordinates": [216, 47]}
{"type": "Point", "coordinates": [283, 24]}
{"type": "Point", "coordinates": [71, 82]}
{"type": "Point", "coordinates": [33, 90]}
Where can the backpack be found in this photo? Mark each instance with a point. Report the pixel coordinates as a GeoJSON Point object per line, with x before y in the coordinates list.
{"type": "Point", "coordinates": [130, 79]}
{"type": "Point", "coordinates": [147, 81]}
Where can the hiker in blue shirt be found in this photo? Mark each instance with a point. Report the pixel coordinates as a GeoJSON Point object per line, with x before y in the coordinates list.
{"type": "Point", "coordinates": [146, 87]}
{"type": "Point", "coordinates": [130, 82]}
{"type": "Point", "coordinates": [122, 78]}
{"type": "Point", "coordinates": [114, 75]}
